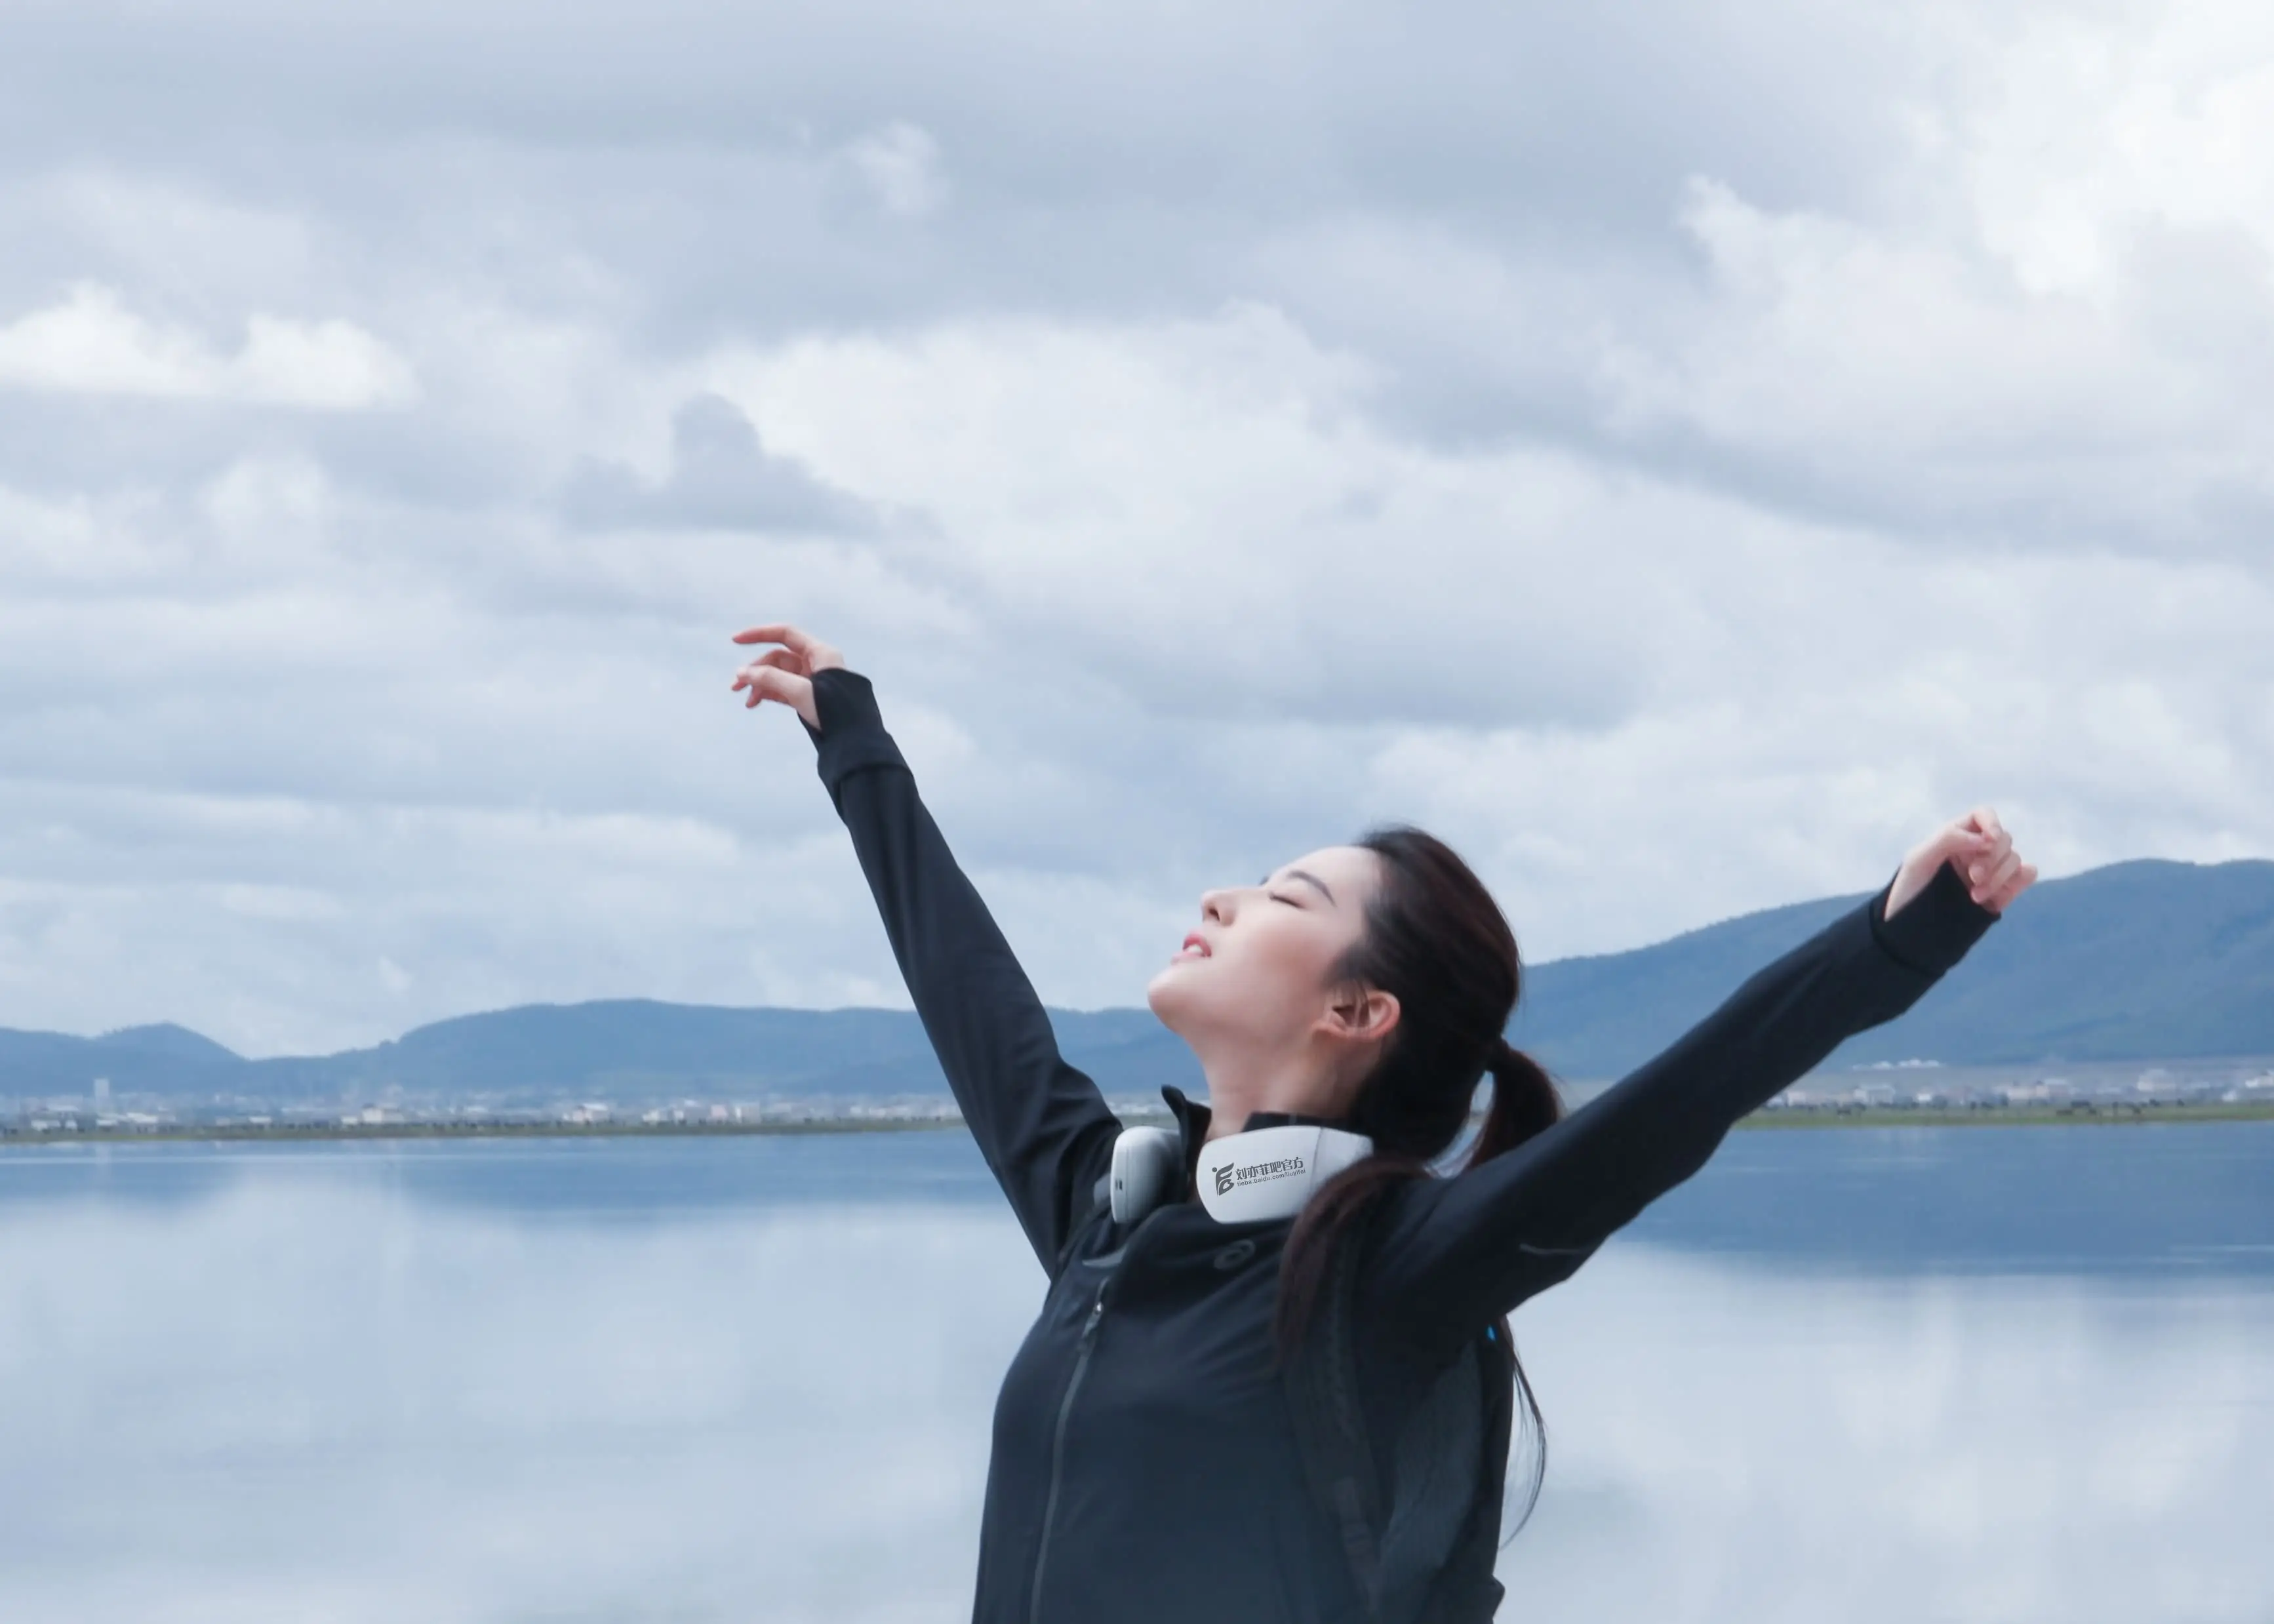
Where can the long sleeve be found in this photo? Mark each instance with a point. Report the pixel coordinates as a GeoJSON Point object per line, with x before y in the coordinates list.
{"type": "Point", "coordinates": [1453, 1253]}
{"type": "Point", "coordinates": [1042, 1124]}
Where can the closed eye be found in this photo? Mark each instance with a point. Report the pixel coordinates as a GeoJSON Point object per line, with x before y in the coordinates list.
{"type": "Point", "coordinates": [1290, 901]}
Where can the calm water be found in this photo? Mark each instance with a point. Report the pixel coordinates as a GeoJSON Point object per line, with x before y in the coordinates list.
{"type": "Point", "coordinates": [1996, 1374]}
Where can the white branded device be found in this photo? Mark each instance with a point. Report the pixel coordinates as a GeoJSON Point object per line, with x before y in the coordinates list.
{"type": "Point", "coordinates": [1145, 1171]}
{"type": "Point", "coordinates": [1244, 1177]}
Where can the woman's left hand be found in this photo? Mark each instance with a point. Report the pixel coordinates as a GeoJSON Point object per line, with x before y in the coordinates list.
{"type": "Point", "coordinates": [1979, 848]}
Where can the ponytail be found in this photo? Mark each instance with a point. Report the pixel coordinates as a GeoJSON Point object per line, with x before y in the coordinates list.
{"type": "Point", "coordinates": [1524, 1103]}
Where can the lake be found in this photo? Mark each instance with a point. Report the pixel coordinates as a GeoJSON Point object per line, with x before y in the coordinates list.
{"type": "Point", "coordinates": [2014, 1374]}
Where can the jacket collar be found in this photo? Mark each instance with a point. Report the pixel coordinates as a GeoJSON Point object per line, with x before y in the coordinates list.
{"type": "Point", "coordinates": [1193, 1120]}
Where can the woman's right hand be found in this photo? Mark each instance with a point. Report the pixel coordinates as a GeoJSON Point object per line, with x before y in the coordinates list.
{"type": "Point", "coordinates": [785, 673]}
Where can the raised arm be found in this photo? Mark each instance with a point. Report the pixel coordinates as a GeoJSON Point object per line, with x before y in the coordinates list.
{"type": "Point", "coordinates": [1042, 1124]}
{"type": "Point", "coordinates": [1455, 1252]}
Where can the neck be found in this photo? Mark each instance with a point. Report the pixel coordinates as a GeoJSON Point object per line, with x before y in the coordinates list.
{"type": "Point", "coordinates": [1241, 1083]}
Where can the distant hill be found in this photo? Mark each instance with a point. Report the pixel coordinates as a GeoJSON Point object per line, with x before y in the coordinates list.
{"type": "Point", "coordinates": [139, 1060]}
{"type": "Point", "coordinates": [177, 1045]}
{"type": "Point", "coordinates": [2138, 961]}
{"type": "Point", "coordinates": [625, 1049]}
{"type": "Point", "coordinates": [635, 1048]}
{"type": "Point", "coordinates": [2148, 960]}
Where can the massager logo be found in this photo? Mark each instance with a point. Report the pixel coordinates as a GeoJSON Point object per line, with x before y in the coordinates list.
{"type": "Point", "coordinates": [1232, 1173]}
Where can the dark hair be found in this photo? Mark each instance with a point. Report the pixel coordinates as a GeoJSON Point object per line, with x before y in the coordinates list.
{"type": "Point", "coordinates": [1435, 941]}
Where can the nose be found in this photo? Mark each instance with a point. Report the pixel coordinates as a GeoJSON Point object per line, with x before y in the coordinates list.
{"type": "Point", "coordinates": [1216, 906]}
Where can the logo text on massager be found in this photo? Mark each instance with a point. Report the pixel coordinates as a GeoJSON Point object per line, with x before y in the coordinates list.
{"type": "Point", "coordinates": [1232, 1173]}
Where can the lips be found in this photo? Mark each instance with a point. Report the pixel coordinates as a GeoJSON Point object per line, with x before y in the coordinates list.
{"type": "Point", "coordinates": [1195, 947]}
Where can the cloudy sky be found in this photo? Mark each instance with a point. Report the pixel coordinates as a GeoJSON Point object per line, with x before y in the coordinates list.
{"type": "Point", "coordinates": [1679, 452]}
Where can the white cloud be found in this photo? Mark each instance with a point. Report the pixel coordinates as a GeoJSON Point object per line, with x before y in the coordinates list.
{"type": "Point", "coordinates": [1204, 509]}
{"type": "Point", "coordinates": [2107, 121]}
{"type": "Point", "coordinates": [1907, 377]}
{"type": "Point", "coordinates": [901, 164]}
{"type": "Point", "coordinates": [91, 343]}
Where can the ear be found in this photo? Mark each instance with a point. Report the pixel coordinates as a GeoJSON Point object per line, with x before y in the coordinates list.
{"type": "Point", "coordinates": [1361, 1014]}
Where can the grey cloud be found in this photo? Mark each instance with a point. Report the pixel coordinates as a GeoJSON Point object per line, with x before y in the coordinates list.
{"type": "Point", "coordinates": [1105, 165]}
{"type": "Point", "coordinates": [721, 477]}
{"type": "Point", "coordinates": [63, 445]}
{"type": "Point", "coordinates": [680, 176]}
{"type": "Point", "coordinates": [1444, 105]}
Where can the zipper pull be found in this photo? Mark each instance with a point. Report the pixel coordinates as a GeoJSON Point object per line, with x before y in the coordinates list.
{"type": "Point", "coordinates": [1097, 1313]}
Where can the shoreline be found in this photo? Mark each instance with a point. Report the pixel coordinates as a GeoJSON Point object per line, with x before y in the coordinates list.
{"type": "Point", "coordinates": [2083, 1115]}
{"type": "Point", "coordinates": [1782, 1119]}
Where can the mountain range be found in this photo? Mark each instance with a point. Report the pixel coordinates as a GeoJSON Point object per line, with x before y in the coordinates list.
{"type": "Point", "coordinates": [2148, 960]}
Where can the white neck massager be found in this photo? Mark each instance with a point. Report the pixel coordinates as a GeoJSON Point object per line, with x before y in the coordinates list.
{"type": "Point", "coordinates": [1244, 1177]}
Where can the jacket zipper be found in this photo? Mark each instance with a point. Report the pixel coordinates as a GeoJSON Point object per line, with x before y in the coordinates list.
{"type": "Point", "coordinates": [1058, 1446]}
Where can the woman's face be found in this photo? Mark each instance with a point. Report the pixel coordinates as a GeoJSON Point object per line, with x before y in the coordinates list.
{"type": "Point", "coordinates": [1255, 970]}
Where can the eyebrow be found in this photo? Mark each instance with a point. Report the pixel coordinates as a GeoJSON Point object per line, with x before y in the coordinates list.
{"type": "Point", "coordinates": [1301, 873]}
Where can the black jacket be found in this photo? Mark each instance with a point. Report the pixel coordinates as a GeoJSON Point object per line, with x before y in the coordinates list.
{"type": "Point", "coordinates": [1144, 1465]}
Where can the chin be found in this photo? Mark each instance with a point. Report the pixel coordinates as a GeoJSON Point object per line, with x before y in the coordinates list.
{"type": "Point", "coordinates": [1167, 998]}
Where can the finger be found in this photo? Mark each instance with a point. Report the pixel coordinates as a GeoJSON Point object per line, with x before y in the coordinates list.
{"type": "Point", "coordinates": [791, 662]}
{"type": "Point", "coordinates": [781, 632]}
{"type": "Point", "coordinates": [2024, 877]}
{"type": "Point", "coordinates": [815, 654]}
{"type": "Point", "coordinates": [773, 682]}
{"type": "Point", "coordinates": [1985, 819]}
{"type": "Point", "coordinates": [1957, 845]}
{"type": "Point", "coordinates": [778, 659]}
{"type": "Point", "coordinates": [770, 682]}
{"type": "Point", "coordinates": [1968, 844]}
{"type": "Point", "coordinates": [2001, 897]}
{"type": "Point", "coordinates": [1994, 850]}
{"type": "Point", "coordinates": [1989, 884]}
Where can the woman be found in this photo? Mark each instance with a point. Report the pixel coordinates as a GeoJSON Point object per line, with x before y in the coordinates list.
{"type": "Point", "coordinates": [1146, 1463]}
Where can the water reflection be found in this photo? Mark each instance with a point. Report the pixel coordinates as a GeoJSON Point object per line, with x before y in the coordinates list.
{"type": "Point", "coordinates": [1733, 1444]}
{"type": "Point", "coordinates": [751, 1380]}
{"type": "Point", "coordinates": [2154, 1200]}
{"type": "Point", "coordinates": [628, 1179]}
